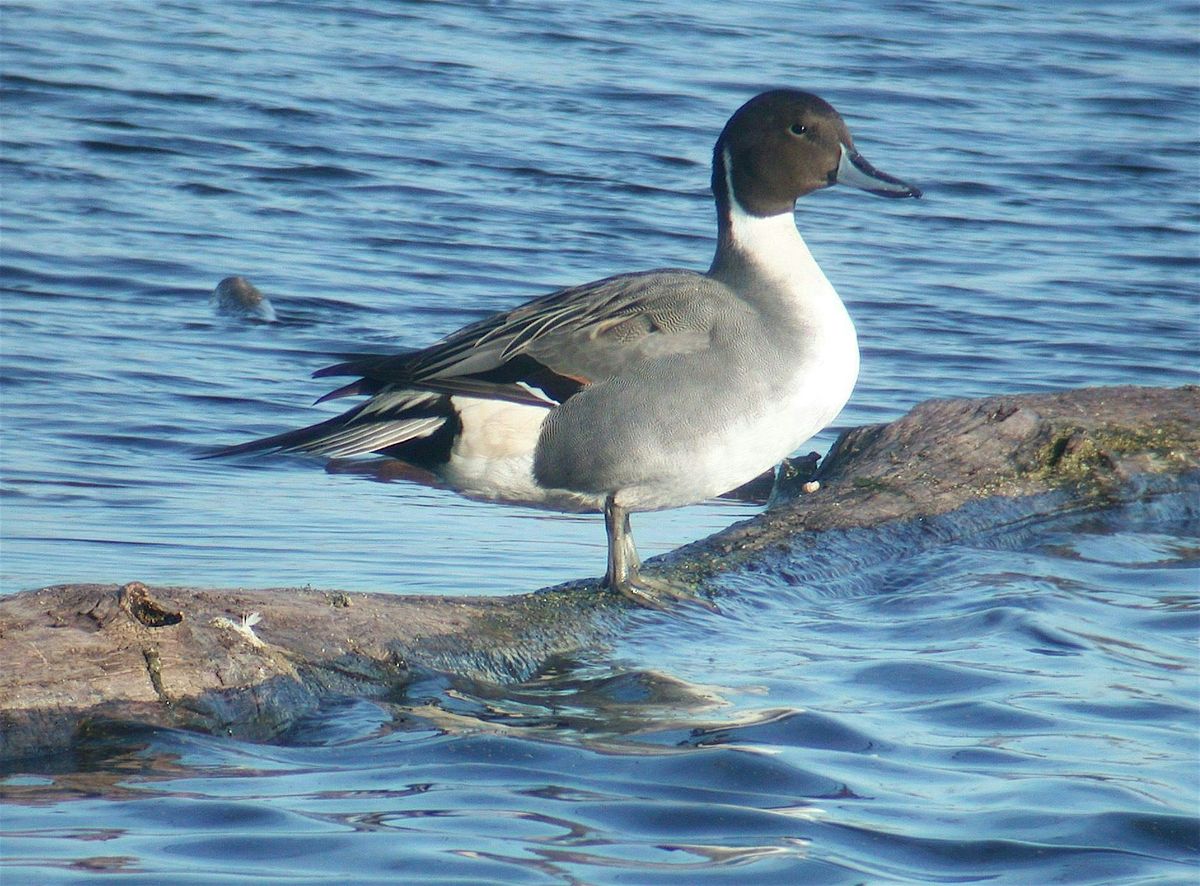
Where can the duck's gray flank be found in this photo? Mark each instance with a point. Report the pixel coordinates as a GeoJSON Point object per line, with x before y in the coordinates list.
{"type": "Point", "coordinates": [640, 391]}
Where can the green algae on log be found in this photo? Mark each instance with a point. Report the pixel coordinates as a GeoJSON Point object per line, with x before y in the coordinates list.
{"type": "Point", "coordinates": [250, 663]}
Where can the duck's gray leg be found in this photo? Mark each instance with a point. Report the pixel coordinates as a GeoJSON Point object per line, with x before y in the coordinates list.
{"type": "Point", "coordinates": [631, 554]}
{"type": "Point", "coordinates": [624, 565]}
{"type": "Point", "coordinates": [623, 560]}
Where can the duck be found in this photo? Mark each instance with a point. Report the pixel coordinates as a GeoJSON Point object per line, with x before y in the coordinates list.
{"type": "Point", "coordinates": [641, 391]}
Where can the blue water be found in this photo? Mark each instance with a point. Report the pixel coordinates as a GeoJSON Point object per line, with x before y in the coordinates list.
{"type": "Point", "coordinates": [1020, 709]}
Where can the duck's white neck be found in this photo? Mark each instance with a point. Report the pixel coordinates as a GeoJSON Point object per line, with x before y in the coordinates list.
{"type": "Point", "coordinates": [769, 246]}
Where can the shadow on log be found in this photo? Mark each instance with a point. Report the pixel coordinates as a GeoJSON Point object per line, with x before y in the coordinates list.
{"type": "Point", "coordinates": [250, 663]}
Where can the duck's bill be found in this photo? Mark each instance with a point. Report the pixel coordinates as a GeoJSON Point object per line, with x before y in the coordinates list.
{"type": "Point", "coordinates": [853, 170]}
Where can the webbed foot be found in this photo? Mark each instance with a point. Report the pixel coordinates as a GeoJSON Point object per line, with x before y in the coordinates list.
{"type": "Point", "coordinates": [624, 568]}
{"type": "Point", "coordinates": [659, 593]}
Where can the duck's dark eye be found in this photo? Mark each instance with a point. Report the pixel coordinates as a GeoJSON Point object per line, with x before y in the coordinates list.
{"type": "Point", "coordinates": [797, 129]}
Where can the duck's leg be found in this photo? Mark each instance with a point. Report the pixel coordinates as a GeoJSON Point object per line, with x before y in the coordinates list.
{"type": "Point", "coordinates": [623, 560]}
{"type": "Point", "coordinates": [631, 554]}
{"type": "Point", "coordinates": [624, 565]}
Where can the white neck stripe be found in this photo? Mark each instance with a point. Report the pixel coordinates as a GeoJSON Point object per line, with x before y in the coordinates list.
{"type": "Point", "coordinates": [771, 242]}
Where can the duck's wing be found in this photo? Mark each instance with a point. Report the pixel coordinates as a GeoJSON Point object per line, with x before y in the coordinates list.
{"type": "Point", "coordinates": [547, 349]}
{"type": "Point", "coordinates": [538, 354]}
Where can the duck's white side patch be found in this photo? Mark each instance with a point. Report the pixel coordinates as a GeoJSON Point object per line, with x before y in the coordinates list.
{"type": "Point", "coordinates": [492, 458]}
{"type": "Point", "coordinates": [496, 429]}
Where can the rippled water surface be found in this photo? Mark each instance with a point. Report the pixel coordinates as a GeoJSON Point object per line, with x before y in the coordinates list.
{"type": "Point", "coordinates": [1017, 710]}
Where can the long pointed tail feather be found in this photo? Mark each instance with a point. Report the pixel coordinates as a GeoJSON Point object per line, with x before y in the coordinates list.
{"type": "Point", "coordinates": [299, 439]}
{"type": "Point", "coordinates": [383, 422]}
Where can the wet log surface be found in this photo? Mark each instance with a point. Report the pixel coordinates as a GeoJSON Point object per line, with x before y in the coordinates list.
{"type": "Point", "coordinates": [249, 663]}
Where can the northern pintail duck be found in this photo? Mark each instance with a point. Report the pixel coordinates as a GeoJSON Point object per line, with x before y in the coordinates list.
{"type": "Point", "coordinates": [641, 391]}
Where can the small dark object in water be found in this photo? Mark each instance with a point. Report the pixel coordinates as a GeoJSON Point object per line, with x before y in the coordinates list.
{"type": "Point", "coordinates": [238, 297]}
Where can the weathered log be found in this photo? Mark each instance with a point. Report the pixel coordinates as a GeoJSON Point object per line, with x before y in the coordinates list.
{"type": "Point", "coordinates": [249, 663]}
